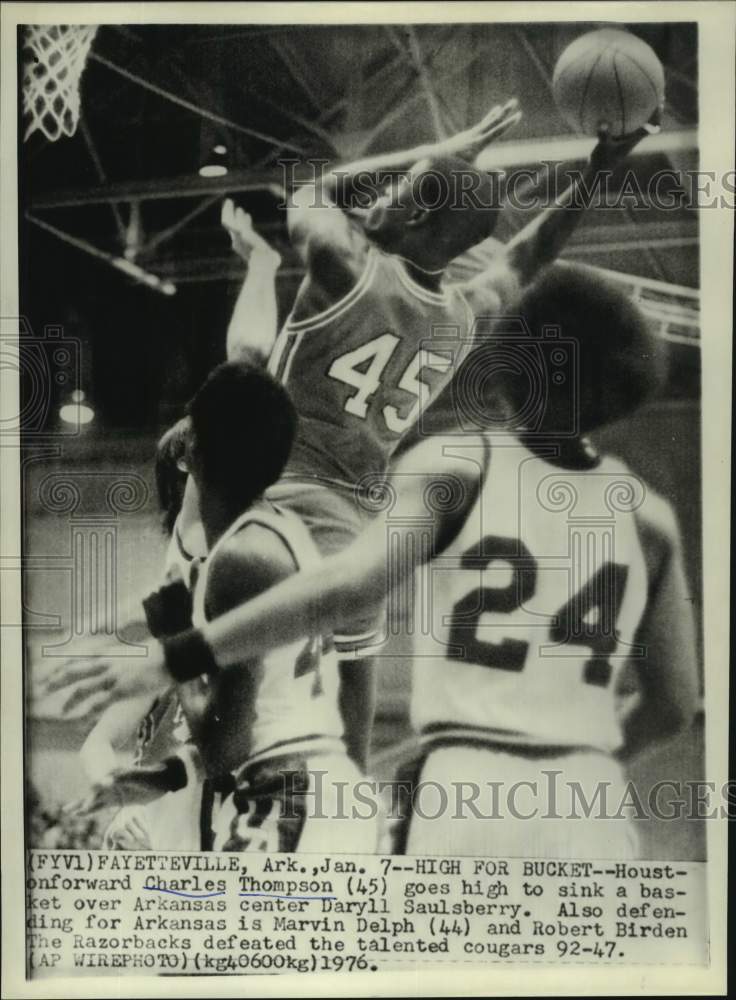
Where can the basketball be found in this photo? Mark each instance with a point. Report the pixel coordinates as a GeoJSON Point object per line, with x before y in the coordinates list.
{"type": "Point", "coordinates": [608, 77]}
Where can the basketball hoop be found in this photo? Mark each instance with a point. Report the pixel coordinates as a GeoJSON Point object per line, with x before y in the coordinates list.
{"type": "Point", "coordinates": [54, 56]}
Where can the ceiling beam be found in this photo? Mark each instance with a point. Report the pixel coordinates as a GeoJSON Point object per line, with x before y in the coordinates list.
{"type": "Point", "coordinates": [102, 176]}
{"type": "Point", "coordinates": [188, 186]}
{"type": "Point", "coordinates": [430, 94]}
{"type": "Point", "coordinates": [167, 95]}
{"type": "Point", "coordinates": [166, 234]}
{"type": "Point", "coordinates": [624, 246]}
{"type": "Point", "coordinates": [572, 147]}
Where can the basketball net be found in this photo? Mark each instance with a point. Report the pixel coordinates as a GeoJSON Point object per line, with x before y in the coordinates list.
{"type": "Point", "coordinates": [54, 56]}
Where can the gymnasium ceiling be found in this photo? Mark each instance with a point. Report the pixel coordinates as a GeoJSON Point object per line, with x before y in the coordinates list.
{"type": "Point", "coordinates": [156, 99]}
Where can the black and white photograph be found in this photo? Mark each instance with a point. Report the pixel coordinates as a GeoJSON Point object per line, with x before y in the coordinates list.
{"type": "Point", "coordinates": [366, 458]}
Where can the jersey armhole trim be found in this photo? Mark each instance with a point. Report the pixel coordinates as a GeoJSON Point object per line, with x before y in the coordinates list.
{"type": "Point", "coordinates": [653, 550]}
{"type": "Point", "coordinates": [263, 520]}
{"type": "Point", "coordinates": [456, 521]}
{"type": "Point", "coordinates": [342, 305]}
{"type": "Point", "coordinates": [469, 310]}
{"type": "Point", "coordinates": [180, 544]}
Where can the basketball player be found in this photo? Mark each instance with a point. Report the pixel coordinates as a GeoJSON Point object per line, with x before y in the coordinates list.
{"type": "Point", "coordinates": [277, 718]}
{"type": "Point", "coordinates": [375, 333]}
{"type": "Point", "coordinates": [158, 792]}
{"type": "Point", "coordinates": [563, 610]}
{"type": "Point", "coordinates": [279, 714]}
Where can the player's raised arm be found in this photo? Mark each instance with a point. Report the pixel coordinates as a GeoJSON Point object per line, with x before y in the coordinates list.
{"type": "Point", "coordinates": [254, 322]}
{"type": "Point", "coordinates": [540, 242]}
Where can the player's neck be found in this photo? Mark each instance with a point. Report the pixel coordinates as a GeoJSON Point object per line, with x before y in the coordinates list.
{"type": "Point", "coordinates": [424, 276]}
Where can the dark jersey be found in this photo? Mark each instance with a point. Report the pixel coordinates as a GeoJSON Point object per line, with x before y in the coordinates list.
{"type": "Point", "coordinates": [361, 371]}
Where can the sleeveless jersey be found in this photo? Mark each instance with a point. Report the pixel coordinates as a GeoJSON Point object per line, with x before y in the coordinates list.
{"type": "Point", "coordinates": [294, 689]}
{"type": "Point", "coordinates": [163, 730]}
{"type": "Point", "coordinates": [178, 555]}
{"type": "Point", "coordinates": [531, 613]}
{"type": "Point", "coordinates": [361, 372]}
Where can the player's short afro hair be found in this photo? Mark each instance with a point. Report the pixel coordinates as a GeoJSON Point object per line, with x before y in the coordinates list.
{"type": "Point", "coordinates": [243, 425]}
{"type": "Point", "coordinates": [621, 362]}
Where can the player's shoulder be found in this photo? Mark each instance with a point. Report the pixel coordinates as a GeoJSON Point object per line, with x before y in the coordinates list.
{"type": "Point", "coordinates": [245, 564]}
{"type": "Point", "coordinates": [657, 521]}
{"type": "Point", "coordinates": [485, 277]}
{"type": "Point", "coordinates": [335, 266]}
{"type": "Point", "coordinates": [256, 544]}
{"type": "Point", "coordinates": [340, 245]}
{"type": "Point", "coordinates": [650, 508]}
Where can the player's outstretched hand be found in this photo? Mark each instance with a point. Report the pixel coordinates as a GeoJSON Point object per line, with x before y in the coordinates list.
{"type": "Point", "coordinates": [128, 831]}
{"type": "Point", "coordinates": [496, 123]}
{"type": "Point", "coordinates": [610, 150]}
{"type": "Point", "coordinates": [78, 689]}
{"type": "Point", "coordinates": [245, 241]}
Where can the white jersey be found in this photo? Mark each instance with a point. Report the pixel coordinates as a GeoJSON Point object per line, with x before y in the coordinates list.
{"type": "Point", "coordinates": [179, 554]}
{"type": "Point", "coordinates": [530, 615]}
{"type": "Point", "coordinates": [295, 694]}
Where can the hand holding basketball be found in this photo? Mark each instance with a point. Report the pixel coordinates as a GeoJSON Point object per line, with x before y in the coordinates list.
{"type": "Point", "coordinates": [610, 149]}
{"type": "Point", "coordinates": [608, 78]}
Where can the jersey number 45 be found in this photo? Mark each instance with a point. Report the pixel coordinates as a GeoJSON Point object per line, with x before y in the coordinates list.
{"type": "Point", "coordinates": [364, 368]}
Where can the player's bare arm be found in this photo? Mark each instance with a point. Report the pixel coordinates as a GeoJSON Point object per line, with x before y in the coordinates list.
{"type": "Point", "coordinates": [253, 325]}
{"type": "Point", "coordinates": [308, 603]}
{"type": "Point", "coordinates": [311, 602]}
{"type": "Point", "coordinates": [540, 242]}
{"type": "Point", "coordinates": [99, 752]}
{"type": "Point", "coordinates": [133, 786]}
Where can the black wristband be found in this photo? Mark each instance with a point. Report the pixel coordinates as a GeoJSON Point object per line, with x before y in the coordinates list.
{"type": "Point", "coordinates": [168, 610]}
{"type": "Point", "coordinates": [176, 773]}
{"type": "Point", "coordinates": [188, 655]}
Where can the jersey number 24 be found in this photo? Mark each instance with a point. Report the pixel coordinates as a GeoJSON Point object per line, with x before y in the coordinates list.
{"type": "Point", "coordinates": [588, 618]}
